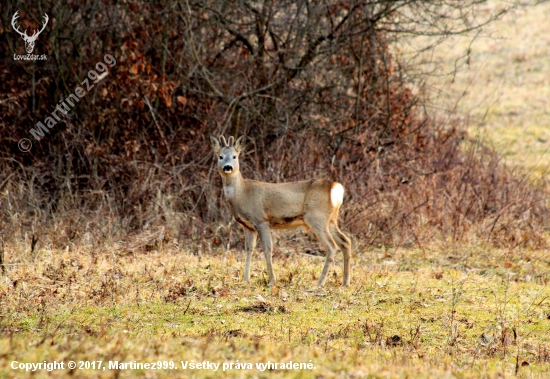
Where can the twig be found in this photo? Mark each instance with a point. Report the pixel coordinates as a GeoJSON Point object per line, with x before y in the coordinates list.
{"type": "Point", "coordinates": [2, 266]}
{"type": "Point", "coordinates": [186, 309]}
{"type": "Point", "coordinates": [156, 123]}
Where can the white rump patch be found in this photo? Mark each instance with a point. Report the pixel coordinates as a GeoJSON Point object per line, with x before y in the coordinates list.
{"type": "Point", "coordinates": [337, 194]}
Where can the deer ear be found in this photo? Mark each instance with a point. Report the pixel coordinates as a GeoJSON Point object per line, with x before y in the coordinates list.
{"type": "Point", "coordinates": [215, 144]}
{"type": "Point", "coordinates": [238, 145]}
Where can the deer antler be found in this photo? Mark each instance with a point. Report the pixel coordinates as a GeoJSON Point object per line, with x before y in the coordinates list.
{"type": "Point", "coordinates": [24, 34]}
{"type": "Point", "coordinates": [15, 27]}
{"type": "Point", "coordinates": [222, 139]}
{"type": "Point", "coordinates": [46, 19]}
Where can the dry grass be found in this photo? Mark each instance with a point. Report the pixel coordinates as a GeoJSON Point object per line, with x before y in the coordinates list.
{"type": "Point", "coordinates": [443, 312]}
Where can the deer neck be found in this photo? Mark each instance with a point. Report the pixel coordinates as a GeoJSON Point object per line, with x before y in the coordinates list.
{"type": "Point", "coordinates": [232, 185]}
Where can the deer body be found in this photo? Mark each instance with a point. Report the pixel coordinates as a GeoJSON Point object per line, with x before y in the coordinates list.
{"type": "Point", "coordinates": [260, 207]}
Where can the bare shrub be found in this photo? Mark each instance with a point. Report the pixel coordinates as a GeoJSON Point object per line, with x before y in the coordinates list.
{"type": "Point", "coordinates": [313, 86]}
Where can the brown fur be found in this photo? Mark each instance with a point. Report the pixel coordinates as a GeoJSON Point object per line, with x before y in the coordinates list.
{"type": "Point", "coordinates": [260, 207]}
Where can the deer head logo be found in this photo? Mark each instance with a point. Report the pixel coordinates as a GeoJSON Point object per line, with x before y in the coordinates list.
{"type": "Point", "coordinates": [29, 41]}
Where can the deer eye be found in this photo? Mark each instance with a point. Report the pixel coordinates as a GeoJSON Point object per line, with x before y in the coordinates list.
{"type": "Point", "coordinates": [221, 157]}
{"type": "Point", "coordinates": [234, 157]}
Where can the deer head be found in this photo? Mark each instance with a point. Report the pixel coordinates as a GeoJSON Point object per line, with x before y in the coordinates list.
{"type": "Point", "coordinates": [228, 154]}
{"type": "Point", "coordinates": [29, 41]}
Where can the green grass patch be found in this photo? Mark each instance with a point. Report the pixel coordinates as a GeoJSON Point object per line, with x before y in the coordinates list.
{"type": "Point", "coordinates": [443, 312]}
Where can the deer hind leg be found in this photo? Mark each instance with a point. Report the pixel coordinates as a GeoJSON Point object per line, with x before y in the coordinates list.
{"type": "Point", "coordinates": [344, 244]}
{"type": "Point", "coordinates": [265, 238]}
{"type": "Point", "coordinates": [322, 232]}
{"type": "Point", "coordinates": [250, 244]}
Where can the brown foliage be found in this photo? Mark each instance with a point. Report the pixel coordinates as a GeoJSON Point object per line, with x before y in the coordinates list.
{"type": "Point", "coordinates": [313, 87]}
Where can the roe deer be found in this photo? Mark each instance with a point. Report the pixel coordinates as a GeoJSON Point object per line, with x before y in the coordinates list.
{"type": "Point", "coordinates": [260, 207]}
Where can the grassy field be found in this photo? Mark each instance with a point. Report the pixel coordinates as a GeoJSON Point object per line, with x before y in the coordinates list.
{"type": "Point", "coordinates": [443, 313]}
{"type": "Point", "coordinates": [502, 89]}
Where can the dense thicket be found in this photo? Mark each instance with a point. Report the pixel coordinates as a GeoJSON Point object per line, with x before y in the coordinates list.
{"type": "Point", "coordinates": [311, 84]}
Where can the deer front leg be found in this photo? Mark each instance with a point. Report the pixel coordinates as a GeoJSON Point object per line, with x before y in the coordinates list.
{"type": "Point", "coordinates": [250, 244]}
{"type": "Point", "coordinates": [265, 238]}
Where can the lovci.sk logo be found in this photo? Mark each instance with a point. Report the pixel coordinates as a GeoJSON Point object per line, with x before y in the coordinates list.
{"type": "Point", "coordinates": [29, 41]}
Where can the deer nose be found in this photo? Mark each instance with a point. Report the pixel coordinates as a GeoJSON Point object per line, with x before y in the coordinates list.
{"type": "Point", "coordinates": [227, 168]}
